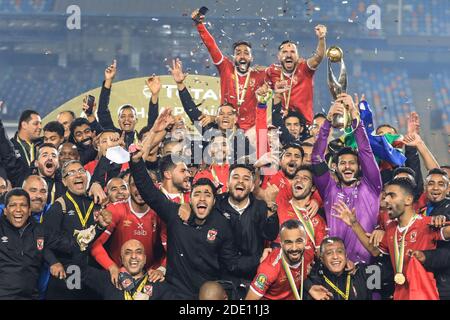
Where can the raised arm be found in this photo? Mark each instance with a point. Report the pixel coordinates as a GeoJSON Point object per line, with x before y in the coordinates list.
{"type": "Point", "coordinates": [208, 40]}
{"type": "Point", "coordinates": [349, 218]}
{"type": "Point", "coordinates": [369, 166]}
{"type": "Point", "coordinates": [316, 59]}
{"type": "Point", "coordinates": [104, 115]}
{"type": "Point", "coordinates": [154, 85]}
{"type": "Point", "coordinates": [165, 208]}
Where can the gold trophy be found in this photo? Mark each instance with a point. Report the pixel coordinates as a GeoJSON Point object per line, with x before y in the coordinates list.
{"type": "Point", "coordinates": [338, 86]}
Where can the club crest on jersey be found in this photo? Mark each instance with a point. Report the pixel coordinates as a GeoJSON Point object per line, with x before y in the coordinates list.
{"type": "Point", "coordinates": [211, 235]}
{"type": "Point", "coordinates": [148, 290]}
{"type": "Point", "coordinates": [40, 244]}
{"type": "Point", "coordinates": [413, 236]}
{"type": "Point", "coordinates": [261, 281]}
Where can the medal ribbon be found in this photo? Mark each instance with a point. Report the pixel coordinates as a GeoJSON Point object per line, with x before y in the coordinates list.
{"type": "Point", "coordinates": [309, 228]}
{"type": "Point", "coordinates": [399, 250]}
{"type": "Point", "coordinates": [291, 280]}
{"type": "Point", "coordinates": [128, 296]}
{"type": "Point", "coordinates": [77, 209]}
{"type": "Point", "coordinates": [240, 98]}
{"type": "Point", "coordinates": [345, 295]}
{"type": "Point", "coordinates": [288, 99]}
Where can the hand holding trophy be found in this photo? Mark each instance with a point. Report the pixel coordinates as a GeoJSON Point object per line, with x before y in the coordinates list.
{"type": "Point", "coordinates": [342, 118]}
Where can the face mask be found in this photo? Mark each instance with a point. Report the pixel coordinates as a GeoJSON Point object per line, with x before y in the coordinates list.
{"type": "Point", "coordinates": [118, 155]}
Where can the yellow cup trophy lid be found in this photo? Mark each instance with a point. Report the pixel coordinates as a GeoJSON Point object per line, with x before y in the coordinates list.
{"type": "Point", "coordinates": [335, 54]}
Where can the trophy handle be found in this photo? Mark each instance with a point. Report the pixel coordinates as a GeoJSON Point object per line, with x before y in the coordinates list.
{"type": "Point", "coordinates": [337, 86]}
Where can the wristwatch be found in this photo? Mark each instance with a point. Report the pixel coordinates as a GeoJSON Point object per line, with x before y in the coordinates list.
{"type": "Point", "coordinates": [273, 207]}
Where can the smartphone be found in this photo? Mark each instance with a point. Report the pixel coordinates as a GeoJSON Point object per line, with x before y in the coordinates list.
{"type": "Point", "coordinates": [203, 11]}
{"type": "Point", "coordinates": [90, 102]}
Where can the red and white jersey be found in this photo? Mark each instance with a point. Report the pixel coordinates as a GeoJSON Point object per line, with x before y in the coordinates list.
{"type": "Point", "coordinates": [420, 236]}
{"type": "Point", "coordinates": [126, 225]}
{"type": "Point", "coordinates": [246, 113]}
{"type": "Point", "coordinates": [271, 281]}
{"type": "Point", "coordinates": [286, 212]}
{"type": "Point", "coordinates": [302, 97]}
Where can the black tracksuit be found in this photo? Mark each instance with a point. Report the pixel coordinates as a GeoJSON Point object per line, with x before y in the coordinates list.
{"type": "Point", "coordinates": [195, 253]}
{"type": "Point", "coordinates": [239, 143]}
{"type": "Point", "coordinates": [285, 136]}
{"type": "Point", "coordinates": [358, 283]}
{"type": "Point", "coordinates": [67, 222]}
{"type": "Point", "coordinates": [438, 261]}
{"type": "Point", "coordinates": [99, 281]}
{"type": "Point", "coordinates": [251, 229]}
{"type": "Point", "coordinates": [22, 256]}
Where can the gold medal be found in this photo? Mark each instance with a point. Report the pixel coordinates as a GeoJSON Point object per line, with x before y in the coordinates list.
{"type": "Point", "coordinates": [399, 278]}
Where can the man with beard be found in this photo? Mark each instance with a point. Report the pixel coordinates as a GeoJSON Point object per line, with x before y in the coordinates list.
{"type": "Point", "coordinates": [224, 123]}
{"type": "Point", "coordinates": [3, 191]}
{"type": "Point", "coordinates": [175, 182]}
{"type": "Point", "coordinates": [82, 136]}
{"type": "Point", "coordinates": [48, 164]}
{"type": "Point", "coordinates": [253, 221]}
{"type": "Point", "coordinates": [67, 152]}
{"type": "Point", "coordinates": [66, 118]}
{"type": "Point", "coordinates": [36, 187]}
{"type": "Point", "coordinates": [74, 214]}
{"type": "Point", "coordinates": [282, 274]}
{"type": "Point", "coordinates": [238, 82]}
{"type": "Point", "coordinates": [24, 245]}
{"type": "Point", "coordinates": [295, 208]}
{"type": "Point", "coordinates": [54, 133]}
{"type": "Point", "coordinates": [117, 190]}
{"type": "Point", "coordinates": [200, 249]}
{"type": "Point", "coordinates": [127, 113]}
{"type": "Point", "coordinates": [132, 219]}
{"type": "Point", "coordinates": [406, 233]}
{"type": "Point", "coordinates": [438, 261]}
{"type": "Point", "coordinates": [333, 279]}
{"type": "Point", "coordinates": [219, 166]}
{"type": "Point", "coordinates": [297, 74]}
{"type": "Point", "coordinates": [359, 182]}
{"type": "Point", "coordinates": [291, 160]}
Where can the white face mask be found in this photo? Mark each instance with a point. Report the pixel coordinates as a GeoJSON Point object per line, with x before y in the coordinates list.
{"type": "Point", "coordinates": [118, 155]}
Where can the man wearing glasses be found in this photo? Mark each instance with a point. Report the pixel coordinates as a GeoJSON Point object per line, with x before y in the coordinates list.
{"type": "Point", "coordinates": [74, 213]}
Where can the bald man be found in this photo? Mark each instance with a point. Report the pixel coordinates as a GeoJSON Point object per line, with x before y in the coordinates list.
{"type": "Point", "coordinates": [134, 283]}
{"type": "Point", "coordinates": [37, 188]}
{"type": "Point", "coordinates": [212, 290]}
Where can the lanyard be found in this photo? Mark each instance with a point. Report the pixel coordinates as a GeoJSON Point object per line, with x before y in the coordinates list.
{"type": "Point", "coordinates": [52, 198]}
{"type": "Point", "coordinates": [291, 280]}
{"type": "Point", "coordinates": [288, 99]}
{"type": "Point", "coordinates": [309, 228]}
{"type": "Point", "coordinates": [128, 296]}
{"type": "Point", "coordinates": [31, 157]}
{"type": "Point", "coordinates": [240, 97]}
{"type": "Point", "coordinates": [77, 209]}
{"type": "Point", "coordinates": [399, 249]}
{"type": "Point", "coordinates": [339, 291]}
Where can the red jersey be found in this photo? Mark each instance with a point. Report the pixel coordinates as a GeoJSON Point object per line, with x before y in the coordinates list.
{"type": "Point", "coordinates": [127, 225]}
{"type": "Point", "coordinates": [419, 236]}
{"type": "Point", "coordinates": [271, 282]}
{"type": "Point", "coordinates": [284, 185]}
{"type": "Point", "coordinates": [301, 98]}
{"type": "Point", "coordinates": [286, 212]}
{"type": "Point", "coordinates": [217, 174]}
{"type": "Point", "coordinates": [246, 112]}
